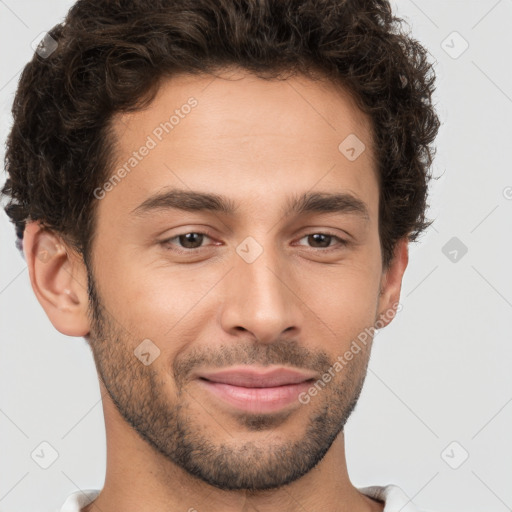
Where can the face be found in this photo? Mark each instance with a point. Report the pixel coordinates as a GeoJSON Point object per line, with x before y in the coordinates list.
{"type": "Point", "coordinates": [212, 317]}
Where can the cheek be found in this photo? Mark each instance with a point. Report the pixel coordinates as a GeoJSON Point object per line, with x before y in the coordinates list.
{"type": "Point", "coordinates": [346, 304]}
{"type": "Point", "coordinates": [161, 304]}
{"type": "Point", "coordinates": [344, 301]}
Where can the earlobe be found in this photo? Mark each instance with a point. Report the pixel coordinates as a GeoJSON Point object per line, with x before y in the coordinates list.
{"type": "Point", "coordinates": [58, 278]}
{"type": "Point", "coordinates": [391, 284]}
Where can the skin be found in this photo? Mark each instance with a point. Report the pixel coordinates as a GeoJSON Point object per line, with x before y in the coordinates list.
{"type": "Point", "coordinates": [256, 142]}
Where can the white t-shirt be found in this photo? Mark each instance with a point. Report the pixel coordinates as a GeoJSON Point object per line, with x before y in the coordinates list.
{"type": "Point", "coordinates": [394, 498]}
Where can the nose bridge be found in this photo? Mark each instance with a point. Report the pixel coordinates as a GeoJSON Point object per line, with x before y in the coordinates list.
{"type": "Point", "coordinates": [259, 298]}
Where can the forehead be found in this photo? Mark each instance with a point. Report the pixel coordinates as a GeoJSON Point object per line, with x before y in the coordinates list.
{"type": "Point", "coordinates": [245, 137]}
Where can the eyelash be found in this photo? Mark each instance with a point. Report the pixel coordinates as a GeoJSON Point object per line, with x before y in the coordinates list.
{"type": "Point", "coordinates": [167, 243]}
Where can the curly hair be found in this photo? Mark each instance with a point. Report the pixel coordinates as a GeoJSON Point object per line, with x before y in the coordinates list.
{"type": "Point", "coordinates": [111, 56]}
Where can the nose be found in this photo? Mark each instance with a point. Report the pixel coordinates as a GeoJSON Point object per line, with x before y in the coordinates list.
{"type": "Point", "coordinates": [261, 298]}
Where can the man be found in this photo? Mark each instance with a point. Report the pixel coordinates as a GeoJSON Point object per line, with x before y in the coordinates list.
{"type": "Point", "coordinates": [220, 201]}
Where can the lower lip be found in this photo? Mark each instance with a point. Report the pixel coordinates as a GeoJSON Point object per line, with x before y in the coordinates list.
{"type": "Point", "coordinates": [257, 400]}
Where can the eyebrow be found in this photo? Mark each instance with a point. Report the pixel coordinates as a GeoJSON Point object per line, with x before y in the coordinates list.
{"type": "Point", "coordinates": [309, 202]}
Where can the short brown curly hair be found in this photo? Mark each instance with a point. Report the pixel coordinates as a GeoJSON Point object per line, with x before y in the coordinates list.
{"type": "Point", "coordinates": [111, 56]}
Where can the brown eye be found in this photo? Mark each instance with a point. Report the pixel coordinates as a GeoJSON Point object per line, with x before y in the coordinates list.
{"type": "Point", "coordinates": [323, 241]}
{"type": "Point", "coordinates": [191, 240]}
{"type": "Point", "coordinates": [186, 242]}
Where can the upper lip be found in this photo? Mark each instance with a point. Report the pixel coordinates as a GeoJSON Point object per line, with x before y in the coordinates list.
{"type": "Point", "coordinates": [252, 377]}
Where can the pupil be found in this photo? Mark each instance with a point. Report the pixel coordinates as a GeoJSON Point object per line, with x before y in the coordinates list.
{"type": "Point", "coordinates": [325, 238]}
{"type": "Point", "coordinates": [187, 240]}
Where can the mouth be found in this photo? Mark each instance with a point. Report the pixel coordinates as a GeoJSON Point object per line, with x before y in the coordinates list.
{"type": "Point", "coordinates": [256, 390]}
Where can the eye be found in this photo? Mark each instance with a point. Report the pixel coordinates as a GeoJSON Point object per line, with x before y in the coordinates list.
{"type": "Point", "coordinates": [323, 240]}
{"type": "Point", "coordinates": [188, 241]}
{"type": "Point", "coordinates": [193, 240]}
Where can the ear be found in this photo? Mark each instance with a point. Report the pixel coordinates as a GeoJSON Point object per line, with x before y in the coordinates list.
{"type": "Point", "coordinates": [391, 283]}
{"type": "Point", "coordinates": [59, 279]}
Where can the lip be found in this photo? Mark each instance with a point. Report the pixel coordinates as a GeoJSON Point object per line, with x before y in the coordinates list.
{"type": "Point", "coordinates": [254, 390]}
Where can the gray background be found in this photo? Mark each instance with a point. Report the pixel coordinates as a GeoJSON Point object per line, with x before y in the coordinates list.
{"type": "Point", "coordinates": [439, 374]}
